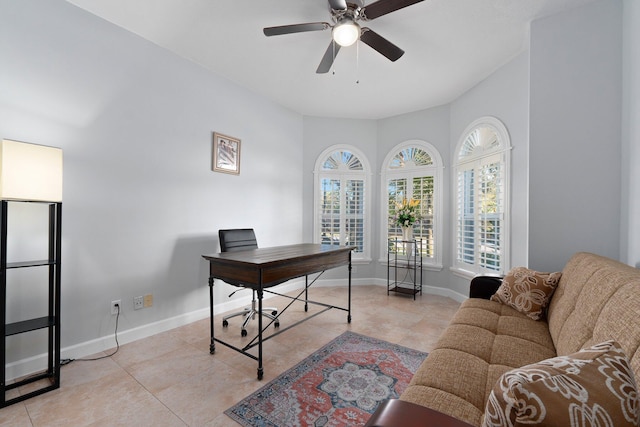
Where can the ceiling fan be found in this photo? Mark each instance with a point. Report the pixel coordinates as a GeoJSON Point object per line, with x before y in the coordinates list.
{"type": "Point", "coordinates": [346, 30]}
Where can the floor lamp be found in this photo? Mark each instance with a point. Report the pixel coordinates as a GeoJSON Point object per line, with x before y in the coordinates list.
{"type": "Point", "coordinates": [31, 173]}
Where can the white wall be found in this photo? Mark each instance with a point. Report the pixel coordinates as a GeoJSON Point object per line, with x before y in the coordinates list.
{"type": "Point", "coordinates": [575, 150]}
{"type": "Point", "coordinates": [630, 226]}
{"type": "Point", "coordinates": [141, 204]}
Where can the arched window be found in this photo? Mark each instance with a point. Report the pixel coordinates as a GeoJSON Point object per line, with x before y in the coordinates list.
{"type": "Point", "coordinates": [341, 211]}
{"type": "Point", "coordinates": [413, 170]}
{"type": "Point", "coordinates": [481, 180]}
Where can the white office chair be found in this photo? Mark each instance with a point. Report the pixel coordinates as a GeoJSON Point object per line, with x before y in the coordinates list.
{"type": "Point", "coordinates": [242, 239]}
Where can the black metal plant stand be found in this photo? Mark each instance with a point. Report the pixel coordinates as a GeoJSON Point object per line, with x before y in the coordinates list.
{"type": "Point", "coordinates": [404, 267]}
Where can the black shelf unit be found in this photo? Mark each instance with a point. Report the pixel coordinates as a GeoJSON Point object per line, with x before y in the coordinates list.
{"type": "Point", "coordinates": [51, 321]}
{"type": "Point", "coordinates": [404, 267]}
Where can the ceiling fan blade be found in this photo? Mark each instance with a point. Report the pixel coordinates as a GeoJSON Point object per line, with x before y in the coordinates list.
{"type": "Point", "coordinates": [338, 4]}
{"type": "Point", "coordinates": [295, 28]}
{"type": "Point", "coordinates": [382, 7]}
{"type": "Point", "coordinates": [328, 58]}
{"type": "Point", "coordinates": [382, 45]}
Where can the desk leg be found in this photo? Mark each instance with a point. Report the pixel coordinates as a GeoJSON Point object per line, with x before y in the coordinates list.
{"type": "Point", "coordinates": [306, 293]}
{"type": "Point", "coordinates": [260, 369]}
{"type": "Point", "coordinates": [212, 346]}
{"type": "Point", "coordinates": [349, 307]}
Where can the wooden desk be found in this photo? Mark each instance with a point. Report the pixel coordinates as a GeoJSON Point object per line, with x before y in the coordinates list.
{"type": "Point", "coordinates": [263, 268]}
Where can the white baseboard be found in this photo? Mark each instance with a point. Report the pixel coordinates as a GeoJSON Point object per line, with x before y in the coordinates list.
{"type": "Point", "coordinates": [31, 365]}
{"type": "Point", "coordinates": [432, 290]}
{"type": "Point", "coordinates": [34, 364]}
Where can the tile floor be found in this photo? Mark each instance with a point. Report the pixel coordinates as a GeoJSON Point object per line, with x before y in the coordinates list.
{"type": "Point", "coordinates": [170, 379]}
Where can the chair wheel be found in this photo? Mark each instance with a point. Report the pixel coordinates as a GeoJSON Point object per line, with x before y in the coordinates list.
{"type": "Point", "coordinates": [274, 313]}
{"type": "Point", "coordinates": [243, 332]}
{"type": "Point", "coordinates": [225, 323]}
{"type": "Point", "coordinates": [276, 325]}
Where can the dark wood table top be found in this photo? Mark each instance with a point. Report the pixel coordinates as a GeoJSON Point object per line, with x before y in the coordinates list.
{"type": "Point", "coordinates": [270, 266]}
{"type": "Point", "coordinates": [276, 254]}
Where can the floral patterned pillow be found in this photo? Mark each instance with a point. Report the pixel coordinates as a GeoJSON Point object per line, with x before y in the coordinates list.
{"type": "Point", "coordinates": [594, 387]}
{"type": "Point", "coordinates": [527, 291]}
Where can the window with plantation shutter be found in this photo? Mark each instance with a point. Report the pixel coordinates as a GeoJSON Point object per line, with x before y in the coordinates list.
{"type": "Point", "coordinates": [413, 171]}
{"type": "Point", "coordinates": [341, 200]}
{"type": "Point", "coordinates": [481, 185]}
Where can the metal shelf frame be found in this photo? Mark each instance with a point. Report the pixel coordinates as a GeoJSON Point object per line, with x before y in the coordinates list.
{"type": "Point", "coordinates": [404, 266]}
{"type": "Point", "coordinates": [51, 321]}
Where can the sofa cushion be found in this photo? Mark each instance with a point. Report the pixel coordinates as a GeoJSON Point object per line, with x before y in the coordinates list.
{"type": "Point", "coordinates": [597, 299]}
{"type": "Point", "coordinates": [595, 386]}
{"type": "Point", "coordinates": [484, 340]}
{"type": "Point", "coordinates": [527, 291]}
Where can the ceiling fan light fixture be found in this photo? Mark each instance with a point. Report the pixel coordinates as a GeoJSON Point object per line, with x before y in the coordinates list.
{"type": "Point", "coordinates": [346, 32]}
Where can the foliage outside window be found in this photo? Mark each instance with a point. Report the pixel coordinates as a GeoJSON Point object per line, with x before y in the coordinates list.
{"type": "Point", "coordinates": [413, 170]}
{"type": "Point", "coordinates": [481, 180]}
{"type": "Point", "coordinates": [341, 200]}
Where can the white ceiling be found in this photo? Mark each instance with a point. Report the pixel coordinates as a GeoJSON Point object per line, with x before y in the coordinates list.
{"type": "Point", "coordinates": [450, 46]}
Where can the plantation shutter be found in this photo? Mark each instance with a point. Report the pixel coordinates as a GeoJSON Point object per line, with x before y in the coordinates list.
{"type": "Point", "coordinates": [330, 211]}
{"type": "Point", "coordinates": [354, 221]}
{"type": "Point", "coordinates": [423, 187]}
{"type": "Point", "coordinates": [397, 191]}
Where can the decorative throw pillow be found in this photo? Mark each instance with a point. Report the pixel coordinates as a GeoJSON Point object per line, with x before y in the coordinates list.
{"type": "Point", "coordinates": [527, 291]}
{"type": "Point", "coordinates": [594, 387]}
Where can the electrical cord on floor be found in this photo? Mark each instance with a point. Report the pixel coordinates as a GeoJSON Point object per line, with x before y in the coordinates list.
{"type": "Point", "coordinates": [64, 362]}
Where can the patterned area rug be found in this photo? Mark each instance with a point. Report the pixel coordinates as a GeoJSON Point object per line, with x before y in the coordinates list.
{"type": "Point", "coordinates": [339, 385]}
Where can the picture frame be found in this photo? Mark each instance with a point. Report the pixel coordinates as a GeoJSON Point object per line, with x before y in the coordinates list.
{"type": "Point", "coordinates": [226, 154]}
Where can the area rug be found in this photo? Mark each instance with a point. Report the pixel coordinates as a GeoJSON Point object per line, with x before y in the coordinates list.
{"type": "Point", "coordinates": [339, 385]}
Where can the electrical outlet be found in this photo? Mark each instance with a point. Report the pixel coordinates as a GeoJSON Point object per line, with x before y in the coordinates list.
{"type": "Point", "coordinates": [138, 303]}
{"type": "Point", "coordinates": [148, 300]}
{"type": "Point", "coordinates": [115, 305]}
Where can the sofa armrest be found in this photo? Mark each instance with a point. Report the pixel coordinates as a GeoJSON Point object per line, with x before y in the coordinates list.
{"type": "Point", "coordinates": [398, 413]}
{"type": "Point", "coordinates": [484, 286]}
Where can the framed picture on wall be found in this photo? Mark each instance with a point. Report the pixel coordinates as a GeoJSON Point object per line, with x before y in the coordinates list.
{"type": "Point", "coordinates": [226, 154]}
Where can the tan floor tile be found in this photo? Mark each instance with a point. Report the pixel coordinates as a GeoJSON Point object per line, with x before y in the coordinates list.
{"type": "Point", "coordinates": [148, 348]}
{"type": "Point", "coordinates": [205, 396]}
{"type": "Point", "coordinates": [15, 415]}
{"type": "Point", "coordinates": [118, 398]}
{"type": "Point", "coordinates": [169, 368]}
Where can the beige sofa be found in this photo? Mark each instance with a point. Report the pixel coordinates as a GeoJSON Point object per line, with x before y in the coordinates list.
{"type": "Point", "coordinates": [596, 299]}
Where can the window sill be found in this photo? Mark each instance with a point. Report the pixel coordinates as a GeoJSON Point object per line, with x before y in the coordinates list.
{"type": "Point", "coordinates": [465, 274]}
{"type": "Point", "coordinates": [468, 274]}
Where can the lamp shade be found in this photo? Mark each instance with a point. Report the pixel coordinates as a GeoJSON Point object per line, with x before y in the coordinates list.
{"type": "Point", "coordinates": [30, 172]}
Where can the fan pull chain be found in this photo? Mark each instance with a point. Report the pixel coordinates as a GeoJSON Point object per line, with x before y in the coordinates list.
{"type": "Point", "coordinates": [358, 62]}
{"type": "Point", "coordinates": [333, 63]}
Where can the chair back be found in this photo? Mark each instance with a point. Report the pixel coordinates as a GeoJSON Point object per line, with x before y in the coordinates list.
{"type": "Point", "coordinates": [237, 239]}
